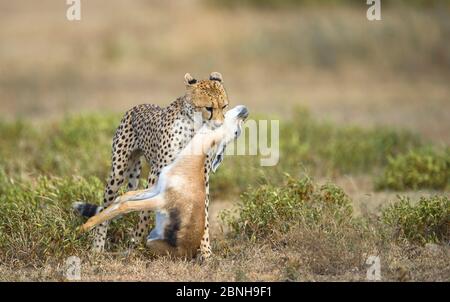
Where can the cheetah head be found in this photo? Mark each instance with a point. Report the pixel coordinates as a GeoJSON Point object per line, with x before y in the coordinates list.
{"type": "Point", "coordinates": [208, 97]}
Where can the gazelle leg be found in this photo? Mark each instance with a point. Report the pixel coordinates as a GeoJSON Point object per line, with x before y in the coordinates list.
{"type": "Point", "coordinates": [124, 204]}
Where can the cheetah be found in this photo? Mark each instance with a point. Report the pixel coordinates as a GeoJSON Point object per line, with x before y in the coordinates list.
{"type": "Point", "coordinates": [179, 193]}
{"type": "Point", "coordinates": [159, 134]}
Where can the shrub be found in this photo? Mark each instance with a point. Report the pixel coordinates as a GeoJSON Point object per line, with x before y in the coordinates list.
{"type": "Point", "coordinates": [427, 221]}
{"type": "Point", "coordinates": [314, 224]}
{"type": "Point", "coordinates": [417, 169]}
{"type": "Point", "coordinates": [268, 209]}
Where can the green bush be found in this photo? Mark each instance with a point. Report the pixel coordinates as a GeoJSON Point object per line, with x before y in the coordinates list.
{"type": "Point", "coordinates": [427, 221]}
{"type": "Point", "coordinates": [313, 224]}
{"type": "Point", "coordinates": [417, 169]}
{"type": "Point", "coordinates": [269, 209]}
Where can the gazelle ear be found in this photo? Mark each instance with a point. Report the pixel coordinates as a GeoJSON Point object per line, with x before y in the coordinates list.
{"type": "Point", "coordinates": [189, 80]}
{"type": "Point", "coordinates": [220, 153]}
{"type": "Point", "coordinates": [216, 76]}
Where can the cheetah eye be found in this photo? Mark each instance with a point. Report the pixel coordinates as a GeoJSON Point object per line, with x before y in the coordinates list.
{"type": "Point", "coordinates": [225, 106]}
{"type": "Point", "coordinates": [210, 110]}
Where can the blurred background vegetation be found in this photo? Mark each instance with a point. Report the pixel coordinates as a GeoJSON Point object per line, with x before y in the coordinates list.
{"type": "Point", "coordinates": [323, 55]}
{"type": "Point", "coordinates": [302, 3]}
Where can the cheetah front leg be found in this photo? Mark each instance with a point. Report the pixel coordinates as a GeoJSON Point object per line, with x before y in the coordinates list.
{"type": "Point", "coordinates": [205, 245]}
{"type": "Point", "coordinates": [133, 174]}
{"type": "Point", "coordinates": [114, 182]}
{"type": "Point", "coordinates": [132, 168]}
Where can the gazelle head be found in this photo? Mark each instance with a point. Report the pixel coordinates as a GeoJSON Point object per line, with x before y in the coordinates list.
{"type": "Point", "coordinates": [231, 128]}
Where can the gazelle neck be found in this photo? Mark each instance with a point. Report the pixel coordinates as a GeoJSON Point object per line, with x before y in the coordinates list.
{"type": "Point", "coordinates": [202, 142]}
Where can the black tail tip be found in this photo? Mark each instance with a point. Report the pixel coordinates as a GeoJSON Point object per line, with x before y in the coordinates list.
{"type": "Point", "coordinates": [85, 209]}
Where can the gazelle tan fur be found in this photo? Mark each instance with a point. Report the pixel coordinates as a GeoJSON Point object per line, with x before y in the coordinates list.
{"type": "Point", "coordinates": [178, 197]}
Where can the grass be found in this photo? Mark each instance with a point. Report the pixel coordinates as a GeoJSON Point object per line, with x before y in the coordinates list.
{"type": "Point", "coordinates": [80, 145]}
{"type": "Point", "coordinates": [318, 149]}
{"type": "Point", "coordinates": [314, 227]}
{"type": "Point", "coordinates": [306, 231]}
{"type": "Point", "coordinates": [346, 149]}
{"type": "Point", "coordinates": [38, 225]}
{"type": "Point", "coordinates": [268, 211]}
{"type": "Point", "coordinates": [65, 148]}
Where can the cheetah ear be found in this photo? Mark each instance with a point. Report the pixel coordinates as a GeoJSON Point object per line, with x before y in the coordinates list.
{"type": "Point", "coordinates": [216, 76]}
{"type": "Point", "coordinates": [189, 80]}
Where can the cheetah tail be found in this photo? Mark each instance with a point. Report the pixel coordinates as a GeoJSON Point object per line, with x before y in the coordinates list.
{"type": "Point", "coordinates": [86, 209]}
